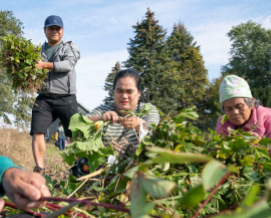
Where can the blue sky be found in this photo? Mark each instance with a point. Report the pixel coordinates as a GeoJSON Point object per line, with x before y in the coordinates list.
{"type": "Point", "coordinates": [102, 28]}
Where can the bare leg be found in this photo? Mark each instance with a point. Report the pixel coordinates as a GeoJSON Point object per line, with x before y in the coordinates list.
{"type": "Point", "coordinates": [38, 148]}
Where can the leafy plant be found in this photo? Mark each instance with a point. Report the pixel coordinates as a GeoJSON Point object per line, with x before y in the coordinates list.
{"type": "Point", "coordinates": [19, 56]}
{"type": "Point", "coordinates": [175, 172]}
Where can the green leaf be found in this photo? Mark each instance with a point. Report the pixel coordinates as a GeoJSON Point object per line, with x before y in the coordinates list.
{"type": "Point", "coordinates": [164, 156]}
{"type": "Point", "coordinates": [138, 197]}
{"type": "Point", "coordinates": [259, 210]}
{"type": "Point", "coordinates": [157, 187]}
{"type": "Point", "coordinates": [212, 173]}
{"type": "Point", "coordinates": [148, 208]}
{"type": "Point", "coordinates": [94, 160]}
{"type": "Point", "coordinates": [131, 172]}
{"type": "Point", "coordinates": [248, 161]}
{"type": "Point", "coordinates": [188, 113]}
{"type": "Point", "coordinates": [192, 198]}
{"type": "Point", "coordinates": [69, 159]}
{"type": "Point", "coordinates": [262, 152]}
{"type": "Point", "coordinates": [251, 196]}
{"type": "Point", "coordinates": [265, 141]}
{"type": "Point", "coordinates": [224, 119]}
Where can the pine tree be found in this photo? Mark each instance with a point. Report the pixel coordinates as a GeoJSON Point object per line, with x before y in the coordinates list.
{"type": "Point", "coordinates": [148, 55]}
{"type": "Point", "coordinates": [109, 83]}
{"type": "Point", "coordinates": [189, 69]}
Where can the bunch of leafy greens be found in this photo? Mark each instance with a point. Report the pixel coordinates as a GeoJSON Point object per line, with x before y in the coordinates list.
{"type": "Point", "coordinates": [19, 56]}
{"type": "Point", "coordinates": [87, 136]}
{"type": "Point", "coordinates": [175, 172]}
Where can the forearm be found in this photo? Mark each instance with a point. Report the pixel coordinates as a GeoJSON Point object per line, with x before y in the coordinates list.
{"type": "Point", "coordinates": [64, 66]}
{"type": "Point", "coordinates": [48, 65]}
{"type": "Point", "coordinates": [95, 118]}
{"type": "Point", "coordinates": [6, 163]}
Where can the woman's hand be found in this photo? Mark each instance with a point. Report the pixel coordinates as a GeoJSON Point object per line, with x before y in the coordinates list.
{"type": "Point", "coordinates": [111, 115]}
{"type": "Point", "coordinates": [24, 188]}
{"type": "Point", "coordinates": [255, 134]}
{"type": "Point", "coordinates": [131, 122]}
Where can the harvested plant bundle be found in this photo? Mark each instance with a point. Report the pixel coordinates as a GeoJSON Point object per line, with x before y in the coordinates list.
{"type": "Point", "coordinates": [18, 56]}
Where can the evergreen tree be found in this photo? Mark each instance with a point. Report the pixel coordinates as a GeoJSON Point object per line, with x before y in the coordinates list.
{"type": "Point", "coordinates": [109, 83]}
{"type": "Point", "coordinates": [148, 55]}
{"type": "Point", "coordinates": [11, 102]}
{"type": "Point", "coordinates": [188, 69]}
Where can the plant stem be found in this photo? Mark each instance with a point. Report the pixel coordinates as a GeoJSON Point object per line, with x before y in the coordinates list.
{"type": "Point", "coordinates": [104, 205]}
{"type": "Point", "coordinates": [55, 207]}
{"type": "Point", "coordinates": [31, 212]}
{"type": "Point", "coordinates": [211, 195]}
{"type": "Point", "coordinates": [77, 188]}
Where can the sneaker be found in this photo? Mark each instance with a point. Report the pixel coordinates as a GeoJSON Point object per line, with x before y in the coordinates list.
{"type": "Point", "coordinates": [39, 170]}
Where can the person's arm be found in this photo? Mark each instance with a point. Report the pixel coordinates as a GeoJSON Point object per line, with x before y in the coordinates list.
{"type": "Point", "coordinates": [45, 65]}
{"type": "Point", "coordinates": [94, 118]}
{"type": "Point", "coordinates": [105, 113]}
{"type": "Point", "coordinates": [267, 125]}
{"type": "Point", "coordinates": [71, 56]}
{"type": "Point", "coordinates": [24, 188]}
{"type": "Point", "coordinates": [6, 163]}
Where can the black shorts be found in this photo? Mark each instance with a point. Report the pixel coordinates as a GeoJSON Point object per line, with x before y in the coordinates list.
{"type": "Point", "coordinates": [47, 109]}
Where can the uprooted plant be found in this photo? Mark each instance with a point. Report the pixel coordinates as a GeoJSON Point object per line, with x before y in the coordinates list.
{"type": "Point", "coordinates": [18, 56]}
{"type": "Point", "coordinates": [174, 172]}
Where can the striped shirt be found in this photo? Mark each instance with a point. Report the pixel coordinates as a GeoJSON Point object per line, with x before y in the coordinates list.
{"type": "Point", "coordinates": [116, 132]}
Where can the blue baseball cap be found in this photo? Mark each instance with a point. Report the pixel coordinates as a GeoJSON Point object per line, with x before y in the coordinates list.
{"type": "Point", "coordinates": [53, 20]}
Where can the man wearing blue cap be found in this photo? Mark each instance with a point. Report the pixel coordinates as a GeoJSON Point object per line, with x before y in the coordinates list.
{"type": "Point", "coordinates": [57, 97]}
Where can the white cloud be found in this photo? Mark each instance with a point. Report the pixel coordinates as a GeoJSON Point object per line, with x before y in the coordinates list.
{"type": "Point", "coordinates": [91, 73]}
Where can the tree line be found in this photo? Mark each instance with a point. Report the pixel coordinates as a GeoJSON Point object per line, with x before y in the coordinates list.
{"type": "Point", "coordinates": [171, 66]}
{"type": "Point", "coordinates": [173, 71]}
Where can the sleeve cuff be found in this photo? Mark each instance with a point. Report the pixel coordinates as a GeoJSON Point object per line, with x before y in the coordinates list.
{"type": "Point", "coordinates": [6, 163]}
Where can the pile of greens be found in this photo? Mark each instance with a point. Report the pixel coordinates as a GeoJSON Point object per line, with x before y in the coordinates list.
{"type": "Point", "coordinates": [18, 57]}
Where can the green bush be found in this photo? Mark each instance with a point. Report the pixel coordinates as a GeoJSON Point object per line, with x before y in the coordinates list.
{"type": "Point", "coordinates": [19, 56]}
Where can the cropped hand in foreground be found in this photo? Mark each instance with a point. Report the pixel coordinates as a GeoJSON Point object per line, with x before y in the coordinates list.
{"type": "Point", "coordinates": [24, 188]}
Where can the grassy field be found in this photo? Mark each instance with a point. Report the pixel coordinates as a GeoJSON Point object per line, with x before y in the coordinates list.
{"type": "Point", "coordinates": [17, 146]}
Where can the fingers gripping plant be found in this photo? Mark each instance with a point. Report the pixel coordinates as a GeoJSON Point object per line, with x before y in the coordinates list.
{"type": "Point", "coordinates": [18, 56]}
{"type": "Point", "coordinates": [175, 172]}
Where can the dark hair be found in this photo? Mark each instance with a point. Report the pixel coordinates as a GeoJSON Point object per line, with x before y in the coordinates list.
{"type": "Point", "coordinates": [60, 124]}
{"type": "Point", "coordinates": [134, 74]}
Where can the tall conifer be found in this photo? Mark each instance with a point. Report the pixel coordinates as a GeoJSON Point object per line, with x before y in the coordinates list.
{"type": "Point", "coordinates": [109, 83]}
{"type": "Point", "coordinates": [148, 55]}
{"type": "Point", "coordinates": [188, 68]}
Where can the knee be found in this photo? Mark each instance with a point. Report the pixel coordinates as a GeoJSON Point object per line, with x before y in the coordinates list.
{"type": "Point", "coordinates": [38, 136]}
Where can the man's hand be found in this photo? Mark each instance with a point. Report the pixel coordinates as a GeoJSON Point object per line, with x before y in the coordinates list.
{"type": "Point", "coordinates": [47, 65]}
{"type": "Point", "coordinates": [24, 188]}
{"type": "Point", "coordinates": [40, 65]}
